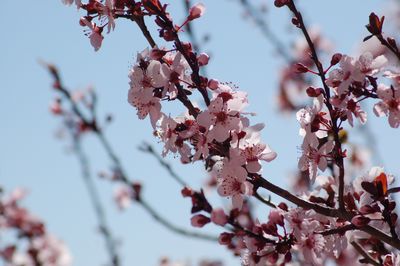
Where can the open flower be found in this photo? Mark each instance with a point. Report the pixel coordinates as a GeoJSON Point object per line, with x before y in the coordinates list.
{"type": "Point", "coordinates": [390, 104]}
{"type": "Point", "coordinates": [314, 158]}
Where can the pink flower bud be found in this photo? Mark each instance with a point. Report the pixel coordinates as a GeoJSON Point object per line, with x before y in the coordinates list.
{"type": "Point", "coordinates": [300, 68]}
{"type": "Point", "coordinates": [213, 84]}
{"type": "Point", "coordinates": [203, 59]}
{"type": "Point", "coordinates": [199, 220]}
{"type": "Point", "coordinates": [218, 217]}
{"type": "Point", "coordinates": [360, 221]}
{"type": "Point", "coordinates": [336, 59]}
{"type": "Point", "coordinates": [187, 192]}
{"type": "Point", "coordinates": [225, 238]}
{"type": "Point", "coordinates": [314, 92]}
{"type": "Point", "coordinates": [196, 11]}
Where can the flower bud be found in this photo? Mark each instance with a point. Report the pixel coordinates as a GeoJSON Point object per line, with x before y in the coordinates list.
{"type": "Point", "coordinates": [199, 220]}
{"type": "Point", "coordinates": [213, 84]}
{"type": "Point", "coordinates": [196, 11]}
{"type": "Point", "coordinates": [336, 59]}
{"type": "Point", "coordinates": [203, 59]}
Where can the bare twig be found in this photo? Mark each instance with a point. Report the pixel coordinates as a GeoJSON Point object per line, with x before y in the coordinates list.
{"type": "Point", "coordinates": [96, 202]}
{"type": "Point", "coordinates": [265, 29]}
{"type": "Point", "coordinates": [146, 147]}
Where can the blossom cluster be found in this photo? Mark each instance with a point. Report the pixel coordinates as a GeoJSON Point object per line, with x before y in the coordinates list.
{"type": "Point", "coordinates": [220, 135]}
{"type": "Point", "coordinates": [41, 247]}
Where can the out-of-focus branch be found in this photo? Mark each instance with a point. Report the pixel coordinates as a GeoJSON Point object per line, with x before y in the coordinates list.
{"type": "Point", "coordinates": [147, 148]}
{"type": "Point", "coordinates": [256, 15]}
{"type": "Point", "coordinates": [96, 202]}
{"type": "Point", "coordinates": [173, 227]}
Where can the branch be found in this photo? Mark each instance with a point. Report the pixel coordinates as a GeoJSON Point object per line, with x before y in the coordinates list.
{"type": "Point", "coordinates": [267, 202]}
{"type": "Point", "coordinates": [266, 31]}
{"type": "Point", "coordinates": [147, 148]}
{"type": "Point", "coordinates": [173, 227]}
{"type": "Point", "coordinates": [363, 253]}
{"type": "Point", "coordinates": [96, 203]}
{"type": "Point", "coordinates": [321, 73]}
{"type": "Point", "coordinates": [339, 230]}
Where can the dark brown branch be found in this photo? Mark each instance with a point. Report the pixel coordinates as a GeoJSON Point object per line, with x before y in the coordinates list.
{"type": "Point", "coordinates": [267, 202]}
{"type": "Point", "coordinates": [339, 230]}
{"type": "Point", "coordinates": [321, 73]}
{"type": "Point", "coordinates": [365, 255]}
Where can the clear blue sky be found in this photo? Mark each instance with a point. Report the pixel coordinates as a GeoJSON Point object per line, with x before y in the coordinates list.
{"type": "Point", "coordinates": [31, 157]}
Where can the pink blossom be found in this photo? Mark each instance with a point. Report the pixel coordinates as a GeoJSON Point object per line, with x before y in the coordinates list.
{"type": "Point", "coordinates": [350, 107]}
{"type": "Point", "coordinates": [232, 180]}
{"type": "Point", "coordinates": [253, 149]}
{"type": "Point", "coordinates": [314, 157]}
{"type": "Point", "coordinates": [168, 135]}
{"type": "Point", "coordinates": [94, 34]}
{"type": "Point", "coordinates": [312, 245]}
{"type": "Point", "coordinates": [390, 104]}
{"type": "Point", "coordinates": [368, 65]}
{"type": "Point", "coordinates": [307, 116]}
{"type": "Point", "coordinates": [219, 120]}
{"type": "Point", "coordinates": [196, 11]}
{"type": "Point", "coordinates": [145, 104]}
{"type": "Point", "coordinates": [203, 59]}
{"type": "Point", "coordinates": [108, 10]}
{"type": "Point", "coordinates": [213, 84]}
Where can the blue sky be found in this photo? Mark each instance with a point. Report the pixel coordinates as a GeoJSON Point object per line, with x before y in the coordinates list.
{"type": "Point", "coordinates": [31, 156]}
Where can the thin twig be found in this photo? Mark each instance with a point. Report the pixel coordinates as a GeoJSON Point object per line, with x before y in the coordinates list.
{"type": "Point", "coordinates": [267, 202]}
{"type": "Point", "coordinates": [96, 202]}
{"type": "Point", "coordinates": [265, 29]}
{"type": "Point", "coordinates": [146, 147]}
{"type": "Point", "coordinates": [173, 227]}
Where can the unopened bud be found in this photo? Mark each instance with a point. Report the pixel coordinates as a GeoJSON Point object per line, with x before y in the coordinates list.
{"type": "Point", "coordinates": [336, 59]}
{"type": "Point", "coordinates": [196, 11]}
{"type": "Point", "coordinates": [199, 220]}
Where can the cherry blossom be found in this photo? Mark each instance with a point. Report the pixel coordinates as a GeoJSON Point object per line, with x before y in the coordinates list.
{"type": "Point", "coordinates": [314, 156]}
{"type": "Point", "coordinates": [390, 104]}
